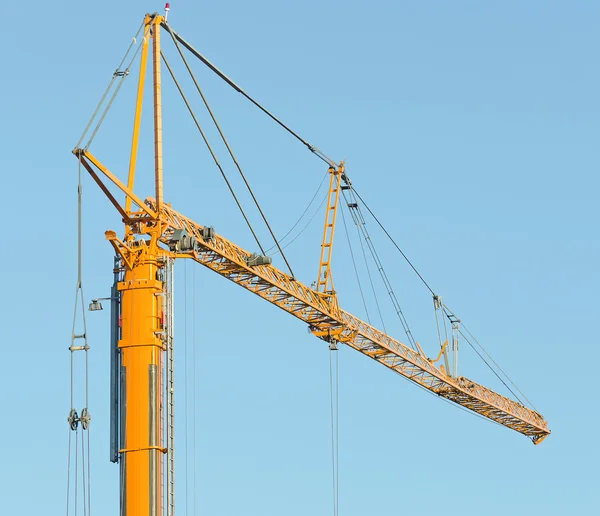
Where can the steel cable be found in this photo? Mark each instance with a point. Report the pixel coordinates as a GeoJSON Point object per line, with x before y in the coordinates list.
{"type": "Point", "coordinates": [123, 74]}
{"type": "Point", "coordinates": [231, 154]}
{"type": "Point", "coordinates": [85, 506]}
{"type": "Point", "coordinates": [218, 72]}
{"type": "Point", "coordinates": [355, 267]}
{"type": "Point", "coordinates": [301, 216]}
{"type": "Point", "coordinates": [195, 500]}
{"type": "Point", "coordinates": [486, 363]}
{"type": "Point", "coordinates": [186, 386]}
{"type": "Point", "coordinates": [334, 409]}
{"type": "Point", "coordinates": [373, 290]}
{"type": "Point", "coordinates": [360, 223]}
{"type": "Point", "coordinates": [115, 75]}
{"type": "Point", "coordinates": [89, 462]}
{"type": "Point", "coordinates": [83, 419]}
{"type": "Point", "coordinates": [500, 369]}
{"type": "Point", "coordinates": [216, 160]}
{"type": "Point", "coordinates": [305, 226]}
{"type": "Point", "coordinates": [69, 473]}
{"type": "Point", "coordinates": [448, 312]}
{"type": "Point", "coordinates": [393, 242]}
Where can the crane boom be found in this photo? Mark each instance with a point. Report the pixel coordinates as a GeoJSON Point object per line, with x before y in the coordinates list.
{"type": "Point", "coordinates": [329, 322]}
{"type": "Point", "coordinates": [142, 358]}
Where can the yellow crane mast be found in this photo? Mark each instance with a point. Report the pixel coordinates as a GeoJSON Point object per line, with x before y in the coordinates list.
{"type": "Point", "coordinates": [155, 234]}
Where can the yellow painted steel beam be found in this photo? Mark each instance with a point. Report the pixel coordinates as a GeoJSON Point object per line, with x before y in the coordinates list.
{"type": "Point", "coordinates": [308, 305]}
{"type": "Point", "coordinates": [158, 158]}
{"type": "Point", "coordinates": [103, 187]}
{"type": "Point", "coordinates": [142, 349]}
{"type": "Point", "coordinates": [84, 155]}
{"type": "Point", "coordinates": [324, 279]}
{"type": "Point", "coordinates": [138, 112]}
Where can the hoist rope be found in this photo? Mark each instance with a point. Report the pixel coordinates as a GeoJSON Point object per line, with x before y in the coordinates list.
{"type": "Point", "coordinates": [219, 73]}
{"type": "Point", "coordinates": [449, 315]}
{"type": "Point", "coordinates": [89, 477]}
{"type": "Point", "coordinates": [362, 295]}
{"type": "Point", "coordinates": [393, 242]}
{"type": "Point", "coordinates": [487, 364]}
{"type": "Point", "coordinates": [448, 312]}
{"type": "Point", "coordinates": [82, 419]}
{"type": "Point", "coordinates": [437, 325]}
{"type": "Point", "coordinates": [215, 159]}
{"type": "Point", "coordinates": [373, 290]}
{"type": "Point", "coordinates": [195, 498]}
{"type": "Point", "coordinates": [76, 469]}
{"type": "Point", "coordinates": [118, 73]}
{"type": "Point", "coordinates": [186, 387]}
{"type": "Point", "coordinates": [231, 154]}
{"type": "Point", "coordinates": [306, 225]}
{"type": "Point", "coordinates": [361, 224]}
{"type": "Point", "coordinates": [301, 216]}
{"type": "Point", "coordinates": [69, 472]}
{"type": "Point", "coordinates": [500, 369]}
{"type": "Point", "coordinates": [83, 472]}
{"type": "Point", "coordinates": [334, 409]}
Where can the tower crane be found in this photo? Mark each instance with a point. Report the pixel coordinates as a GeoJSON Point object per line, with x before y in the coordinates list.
{"type": "Point", "coordinates": [155, 235]}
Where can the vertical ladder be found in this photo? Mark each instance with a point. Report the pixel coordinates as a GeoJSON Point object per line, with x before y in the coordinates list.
{"type": "Point", "coordinates": [170, 387]}
{"type": "Point", "coordinates": [324, 280]}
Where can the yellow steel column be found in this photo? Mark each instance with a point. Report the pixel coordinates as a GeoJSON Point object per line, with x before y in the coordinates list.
{"type": "Point", "coordinates": [141, 352]}
{"type": "Point", "coordinates": [142, 326]}
{"type": "Point", "coordinates": [138, 112]}
{"type": "Point", "coordinates": [158, 162]}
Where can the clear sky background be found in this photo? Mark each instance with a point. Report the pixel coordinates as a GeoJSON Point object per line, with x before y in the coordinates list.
{"type": "Point", "coordinates": [470, 128]}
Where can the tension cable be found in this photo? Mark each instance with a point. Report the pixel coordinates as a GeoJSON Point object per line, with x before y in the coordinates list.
{"type": "Point", "coordinates": [212, 67]}
{"type": "Point", "coordinates": [393, 242]}
{"type": "Point", "coordinates": [362, 295]}
{"type": "Point", "coordinates": [301, 216]}
{"type": "Point", "coordinates": [231, 154]}
{"type": "Point", "coordinates": [317, 211]}
{"type": "Point", "coordinates": [210, 149]}
{"type": "Point", "coordinates": [334, 409]}
{"type": "Point", "coordinates": [119, 72]}
{"type": "Point", "coordinates": [360, 223]}
{"type": "Point", "coordinates": [83, 418]}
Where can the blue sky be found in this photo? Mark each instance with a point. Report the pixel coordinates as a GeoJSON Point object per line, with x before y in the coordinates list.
{"type": "Point", "coordinates": [471, 130]}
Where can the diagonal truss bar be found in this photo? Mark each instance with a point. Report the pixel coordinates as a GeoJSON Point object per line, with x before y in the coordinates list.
{"type": "Point", "coordinates": [327, 322]}
{"type": "Point", "coordinates": [85, 156]}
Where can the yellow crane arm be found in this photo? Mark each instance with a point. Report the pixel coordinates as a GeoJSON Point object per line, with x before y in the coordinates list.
{"type": "Point", "coordinates": [331, 323]}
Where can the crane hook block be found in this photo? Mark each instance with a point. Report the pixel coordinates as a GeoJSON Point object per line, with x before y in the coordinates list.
{"type": "Point", "coordinates": [258, 259]}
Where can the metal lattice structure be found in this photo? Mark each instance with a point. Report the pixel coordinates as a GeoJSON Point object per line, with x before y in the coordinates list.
{"type": "Point", "coordinates": [142, 359]}
{"type": "Point", "coordinates": [329, 322]}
